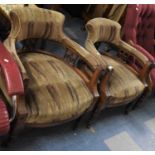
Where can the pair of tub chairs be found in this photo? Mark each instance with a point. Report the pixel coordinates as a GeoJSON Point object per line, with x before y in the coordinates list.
{"type": "Point", "coordinates": [40, 89]}
{"type": "Point", "coordinates": [139, 30]}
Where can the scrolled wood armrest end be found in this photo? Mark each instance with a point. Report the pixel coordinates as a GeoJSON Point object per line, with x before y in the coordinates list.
{"type": "Point", "coordinates": [100, 79]}
{"type": "Point", "coordinates": [145, 74]}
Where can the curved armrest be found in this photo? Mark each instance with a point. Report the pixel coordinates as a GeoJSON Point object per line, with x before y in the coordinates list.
{"type": "Point", "coordinates": [11, 72]}
{"type": "Point", "coordinates": [93, 60]}
{"type": "Point", "coordinates": [89, 45]}
{"type": "Point", "coordinates": [134, 52]}
{"type": "Point", "coordinates": [148, 63]}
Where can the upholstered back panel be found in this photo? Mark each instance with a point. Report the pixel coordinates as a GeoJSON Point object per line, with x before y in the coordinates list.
{"type": "Point", "coordinates": [36, 23]}
{"type": "Point", "coordinates": [140, 24]}
{"type": "Point", "coordinates": [102, 29]}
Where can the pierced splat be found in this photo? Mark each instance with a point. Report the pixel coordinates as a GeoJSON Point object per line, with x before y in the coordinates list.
{"type": "Point", "coordinates": [125, 57]}
{"type": "Point", "coordinates": [71, 58]}
{"type": "Point", "coordinates": [130, 60]}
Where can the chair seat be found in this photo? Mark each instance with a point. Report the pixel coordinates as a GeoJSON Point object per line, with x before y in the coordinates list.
{"type": "Point", "coordinates": [55, 93]}
{"type": "Point", "coordinates": [124, 85]}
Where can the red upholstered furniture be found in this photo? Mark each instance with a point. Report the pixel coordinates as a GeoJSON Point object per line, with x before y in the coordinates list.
{"type": "Point", "coordinates": [139, 30]}
{"type": "Point", "coordinates": [14, 85]}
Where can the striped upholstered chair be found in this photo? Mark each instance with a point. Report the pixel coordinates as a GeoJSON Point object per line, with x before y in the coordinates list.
{"type": "Point", "coordinates": [44, 90]}
{"type": "Point", "coordinates": [125, 84]}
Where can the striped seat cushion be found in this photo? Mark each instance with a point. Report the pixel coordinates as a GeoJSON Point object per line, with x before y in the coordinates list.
{"type": "Point", "coordinates": [54, 93]}
{"type": "Point", "coordinates": [123, 85]}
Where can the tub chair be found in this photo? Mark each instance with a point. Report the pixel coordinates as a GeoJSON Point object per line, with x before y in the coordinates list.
{"type": "Point", "coordinates": [126, 85]}
{"type": "Point", "coordinates": [139, 30]}
{"type": "Point", "coordinates": [38, 89]}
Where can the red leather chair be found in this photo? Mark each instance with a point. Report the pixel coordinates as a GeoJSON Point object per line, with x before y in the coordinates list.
{"type": "Point", "coordinates": [139, 30]}
{"type": "Point", "coordinates": [14, 85]}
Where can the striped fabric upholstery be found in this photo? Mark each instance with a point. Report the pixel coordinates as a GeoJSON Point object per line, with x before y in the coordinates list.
{"type": "Point", "coordinates": [124, 85]}
{"type": "Point", "coordinates": [107, 32]}
{"type": "Point", "coordinates": [37, 23]}
{"type": "Point", "coordinates": [54, 92]}
{"type": "Point", "coordinates": [102, 29]}
{"type": "Point", "coordinates": [50, 27]}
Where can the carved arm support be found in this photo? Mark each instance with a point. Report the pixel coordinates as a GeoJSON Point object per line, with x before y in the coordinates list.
{"type": "Point", "coordinates": [144, 62]}
{"type": "Point", "coordinates": [92, 69]}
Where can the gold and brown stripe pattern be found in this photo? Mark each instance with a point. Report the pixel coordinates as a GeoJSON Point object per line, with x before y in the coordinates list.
{"type": "Point", "coordinates": [124, 85]}
{"type": "Point", "coordinates": [102, 29]}
{"type": "Point", "coordinates": [36, 23]}
{"type": "Point", "coordinates": [55, 93]}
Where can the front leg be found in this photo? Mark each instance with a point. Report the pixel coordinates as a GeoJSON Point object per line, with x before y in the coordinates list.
{"type": "Point", "coordinates": [140, 99]}
{"type": "Point", "coordinates": [92, 83]}
{"type": "Point", "coordinates": [103, 95]}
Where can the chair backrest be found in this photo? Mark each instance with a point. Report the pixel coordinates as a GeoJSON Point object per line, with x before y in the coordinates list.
{"type": "Point", "coordinates": [102, 29]}
{"type": "Point", "coordinates": [31, 23]}
{"type": "Point", "coordinates": [139, 26]}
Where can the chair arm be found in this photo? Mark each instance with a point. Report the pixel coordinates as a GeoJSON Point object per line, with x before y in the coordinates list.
{"type": "Point", "coordinates": [93, 81]}
{"type": "Point", "coordinates": [93, 60]}
{"type": "Point", "coordinates": [142, 59]}
{"type": "Point", "coordinates": [147, 61]}
{"type": "Point", "coordinates": [11, 72]}
{"type": "Point", "coordinates": [145, 52]}
{"type": "Point", "coordinates": [99, 84]}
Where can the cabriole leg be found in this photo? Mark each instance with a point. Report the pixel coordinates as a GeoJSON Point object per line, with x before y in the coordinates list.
{"type": "Point", "coordinates": [140, 100]}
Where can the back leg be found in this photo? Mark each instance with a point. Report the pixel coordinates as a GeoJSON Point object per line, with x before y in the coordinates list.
{"type": "Point", "coordinates": [77, 122]}
{"type": "Point", "coordinates": [127, 108]}
{"type": "Point", "coordinates": [139, 100]}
